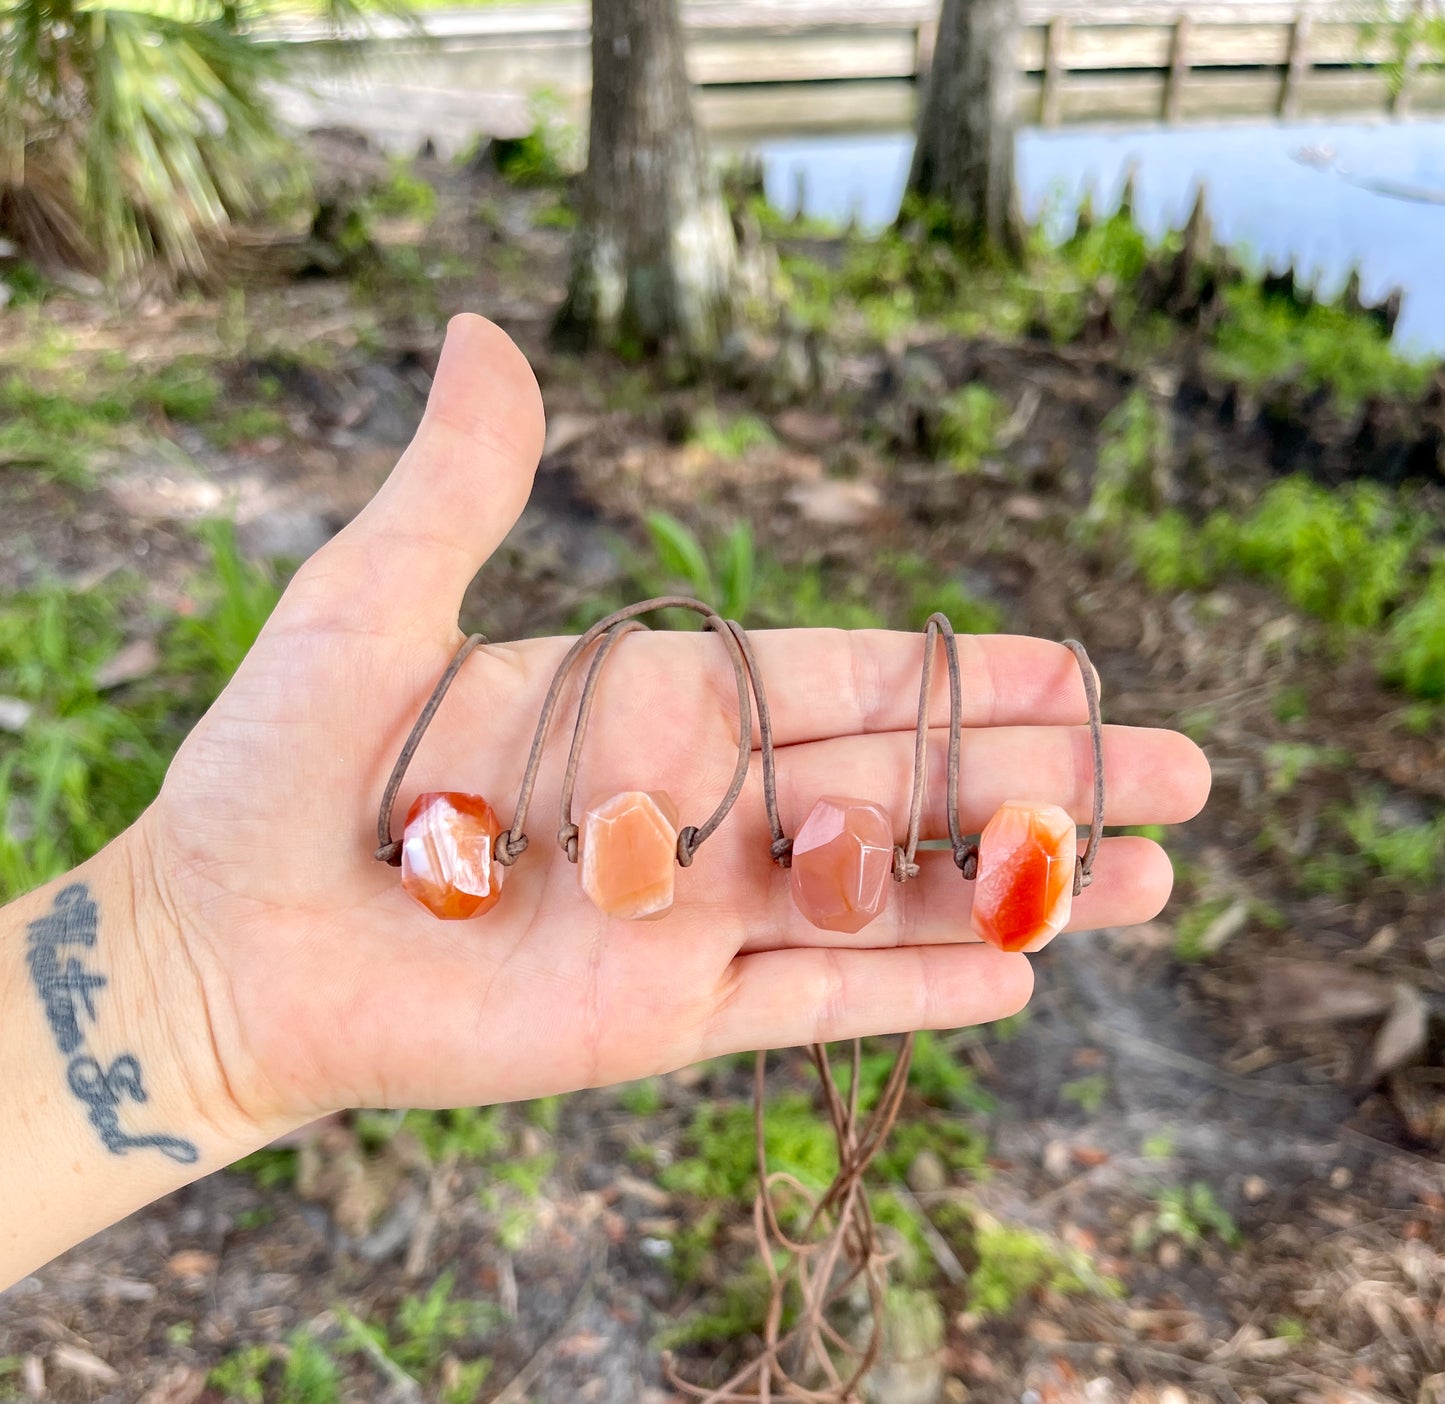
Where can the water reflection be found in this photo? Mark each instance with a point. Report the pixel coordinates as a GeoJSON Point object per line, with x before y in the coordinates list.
{"type": "Point", "coordinates": [1328, 195]}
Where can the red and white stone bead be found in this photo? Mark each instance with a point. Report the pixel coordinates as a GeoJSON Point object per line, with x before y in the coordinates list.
{"type": "Point", "coordinates": [1025, 887]}
{"type": "Point", "coordinates": [449, 854]}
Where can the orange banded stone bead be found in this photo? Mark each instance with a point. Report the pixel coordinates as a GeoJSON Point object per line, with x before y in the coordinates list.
{"type": "Point", "coordinates": [842, 860]}
{"type": "Point", "coordinates": [1025, 886]}
{"type": "Point", "coordinates": [449, 854]}
{"type": "Point", "coordinates": [627, 854]}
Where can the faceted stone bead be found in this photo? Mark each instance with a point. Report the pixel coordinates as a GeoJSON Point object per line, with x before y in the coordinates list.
{"type": "Point", "coordinates": [842, 860]}
{"type": "Point", "coordinates": [1025, 886]}
{"type": "Point", "coordinates": [627, 853]}
{"type": "Point", "coordinates": [448, 854]}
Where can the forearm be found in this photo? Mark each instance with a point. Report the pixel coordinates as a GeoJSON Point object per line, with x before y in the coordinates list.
{"type": "Point", "coordinates": [112, 1094]}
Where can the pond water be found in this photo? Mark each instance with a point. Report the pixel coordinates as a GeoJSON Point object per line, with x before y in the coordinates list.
{"type": "Point", "coordinates": [1328, 196]}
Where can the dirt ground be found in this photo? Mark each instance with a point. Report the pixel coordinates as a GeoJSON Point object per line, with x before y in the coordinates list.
{"type": "Point", "coordinates": [1253, 1070]}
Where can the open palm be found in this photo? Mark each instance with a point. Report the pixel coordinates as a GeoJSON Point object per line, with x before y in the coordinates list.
{"type": "Point", "coordinates": [326, 986]}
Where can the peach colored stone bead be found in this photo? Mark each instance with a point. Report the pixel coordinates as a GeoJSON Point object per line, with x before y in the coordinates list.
{"type": "Point", "coordinates": [448, 854]}
{"type": "Point", "coordinates": [627, 852]}
{"type": "Point", "coordinates": [842, 860]}
{"type": "Point", "coordinates": [1025, 886]}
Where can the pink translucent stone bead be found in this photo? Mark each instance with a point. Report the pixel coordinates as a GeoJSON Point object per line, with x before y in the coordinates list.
{"type": "Point", "coordinates": [627, 854]}
{"type": "Point", "coordinates": [448, 854]}
{"type": "Point", "coordinates": [1025, 887]}
{"type": "Point", "coordinates": [842, 861]}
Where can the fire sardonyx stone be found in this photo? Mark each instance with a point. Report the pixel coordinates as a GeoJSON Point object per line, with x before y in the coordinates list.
{"type": "Point", "coordinates": [1025, 886]}
{"type": "Point", "coordinates": [842, 858]}
{"type": "Point", "coordinates": [627, 851]}
{"type": "Point", "coordinates": [448, 854]}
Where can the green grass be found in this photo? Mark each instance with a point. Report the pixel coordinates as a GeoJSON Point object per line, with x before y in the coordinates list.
{"type": "Point", "coordinates": [472, 1134]}
{"type": "Point", "coordinates": [548, 153]}
{"type": "Point", "coordinates": [969, 426]}
{"type": "Point", "coordinates": [731, 437]}
{"type": "Point", "coordinates": [58, 414]}
{"type": "Point", "coordinates": [1190, 1214]}
{"type": "Point", "coordinates": [403, 194]}
{"type": "Point", "coordinates": [735, 1311]}
{"type": "Point", "coordinates": [89, 760]}
{"type": "Point", "coordinates": [1414, 646]}
{"type": "Point", "coordinates": [721, 1163]}
{"type": "Point", "coordinates": [1012, 1263]}
{"type": "Point", "coordinates": [1267, 339]}
{"type": "Point", "coordinates": [1086, 1093]}
{"type": "Point", "coordinates": [1134, 451]}
{"type": "Point", "coordinates": [301, 1372]}
{"type": "Point", "coordinates": [1288, 762]}
{"type": "Point", "coordinates": [1358, 557]}
{"type": "Point", "coordinates": [425, 1331]}
{"type": "Point", "coordinates": [1412, 855]}
{"type": "Point", "coordinates": [1192, 925]}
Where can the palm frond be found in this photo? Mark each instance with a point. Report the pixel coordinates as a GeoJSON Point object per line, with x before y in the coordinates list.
{"type": "Point", "coordinates": [136, 134]}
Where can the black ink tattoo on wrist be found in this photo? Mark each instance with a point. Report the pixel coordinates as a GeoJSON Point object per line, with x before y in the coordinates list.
{"type": "Point", "coordinates": [67, 991]}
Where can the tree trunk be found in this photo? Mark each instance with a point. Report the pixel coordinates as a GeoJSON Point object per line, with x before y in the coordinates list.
{"type": "Point", "coordinates": [655, 260]}
{"type": "Point", "coordinates": [965, 153]}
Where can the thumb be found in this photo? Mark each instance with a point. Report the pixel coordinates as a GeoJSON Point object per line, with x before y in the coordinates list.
{"type": "Point", "coordinates": [407, 558]}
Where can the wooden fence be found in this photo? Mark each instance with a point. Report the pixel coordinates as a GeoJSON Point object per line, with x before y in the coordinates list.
{"type": "Point", "coordinates": [1150, 60]}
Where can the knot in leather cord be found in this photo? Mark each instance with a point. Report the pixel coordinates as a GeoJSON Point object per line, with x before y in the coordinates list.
{"type": "Point", "coordinates": [686, 846]}
{"type": "Point", "coordinates": [567, 840]}
{"type": "Point", "coordinates": [390, 853]}
{"type": "Point", "coordinates": [965, 856]}
{"type": "Point", "coordinates": [903, 869]}
{"type": "Point", "coordinates": [509, 848]}
{"type": "Point", "coordinates": [782, 851]}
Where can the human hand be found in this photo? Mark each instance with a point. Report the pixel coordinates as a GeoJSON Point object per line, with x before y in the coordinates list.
{"type": "Point", "coordinates": [318, 983]}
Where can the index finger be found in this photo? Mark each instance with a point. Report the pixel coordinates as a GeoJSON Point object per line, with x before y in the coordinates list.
{"type": "Point", "coordinates": [823, 683]}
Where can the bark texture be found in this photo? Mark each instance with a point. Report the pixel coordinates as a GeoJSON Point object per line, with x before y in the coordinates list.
{"type": "Point", "coordinates": [965, 153]}
{"type": "Point", "coordinates": [655, 260]}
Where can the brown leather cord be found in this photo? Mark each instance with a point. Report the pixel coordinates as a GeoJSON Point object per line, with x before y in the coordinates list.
{"type": "Point", "coordinates": [813, 1362]}
{"type": "Point", "coordinates": [566, 829]}
{"type": "Point", "coordinates": [904, 865]}
{"type": "Point", "coordinates": [512, 844]}
{"type": "Point", "coordinates": [389, 849]}
{"type": "Point", "coordinates": [1084, 866]}
{"type": "Point", "coordinates": [966, 854]}
{"type": "Point", "coordinates": [782, 849]}
{"type": "Point", "coordinates": [690, 838]}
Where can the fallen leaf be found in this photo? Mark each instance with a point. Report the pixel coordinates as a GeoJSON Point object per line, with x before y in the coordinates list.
{"type": "Point", "coordinates": [1314, 991]}
{"type": "Point", "coordinates": [809, 429]}
{"type": "Point", "coordinates": [80, 1362]}
{"type": "Point", "coordinates": [1402, 1036]}
{"type": "Point", "coordinates": [137, 659]}
{"type": "Point", "coordinates": [834, 502]}
{"type": "Point", "coordinates": [191, 1262]}
{"type": "Point", "coordinates": [182, 1385]}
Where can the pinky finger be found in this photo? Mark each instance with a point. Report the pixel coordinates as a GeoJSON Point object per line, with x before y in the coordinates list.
{"type": "Point", "coordinates": [779, 999]}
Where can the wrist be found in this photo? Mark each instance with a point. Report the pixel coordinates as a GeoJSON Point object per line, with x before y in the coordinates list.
{"type": "Point", "coordinates": [186, 1012]}
{"type": "Point", "coordinates": [113, 1094]}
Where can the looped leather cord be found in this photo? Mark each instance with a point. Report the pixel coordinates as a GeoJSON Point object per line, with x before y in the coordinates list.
{"type": "Point", "coordinates": [389, 849]}
{"type": "Point", "coordinates": [512, 844]}
{"type": "Point", "coordinates": [567, 831]}
{"type": "Point", "coordinates": [782, 846]}
{"type": "Point", "coordinates": [939, 626]}
{"type": "Point", "coordinates": [838, 1249]}
{"type": "Point", "coordinates": [1084, 865]}
{"type": "Point", "coordinates": [611, 629]}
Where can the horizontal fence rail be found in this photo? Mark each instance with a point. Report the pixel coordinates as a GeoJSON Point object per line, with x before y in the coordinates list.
{"type": "Point", "coordinates": [1154, 61]}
